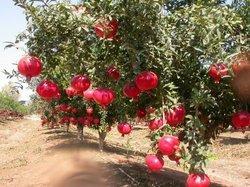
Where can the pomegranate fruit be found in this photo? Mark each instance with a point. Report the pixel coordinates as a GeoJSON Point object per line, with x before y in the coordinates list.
{"type": "Point", "coordinates": [141, 113]}
{"type": "Point", "coordinates": [239, 66]}
{"type": "Point", "coordinates": [104, 96]}
{"type": "Point", "coordinates": [155, 124]}
{"type": "Point", "coordinates": [88, 94]}
{"type": "Point", "coordinates": [168, 144]}
{"type": "Point", "coordinates": [90, 110]}
{"type": "Point", "coordinates": [29, 66]}
{"type": "Point", "coordinates": [241, 119]}
{"type": "Point", "coordinates": [71, 92]}
{"type": "Point", "coordinates": [96, 121]}
{"type": "Point", "coordinates": [63, 107]}
{"type": "Point", "coordinates": [73, 120]}
{"type": "Point", "coordinates": [175, 116]}
{"type": "Point", "coordinates": [124, 128]}
{"type": "Point", "coordinates": [146, 80]}
{"type": "Point", "coordinates": [65, 119]}
{"type": "Point", "coordinates": [106, 30]}
{"type": "Point", "coordinates": [81, 120]}
{"type": "Point", "coordinates": [80, 83]}
{"type": "Point", "coordinates": [154, 163]}
{"type": "Point", "coordinates": [47, 89]}
{"type": "Point", "coordinates": [218, 71]}
{"type": "Point", "coordinates": [197, 180]}
{"type": "Point", "coordinates": [113, 73]}
{"type": "Point", "coordinates": [130, 90]}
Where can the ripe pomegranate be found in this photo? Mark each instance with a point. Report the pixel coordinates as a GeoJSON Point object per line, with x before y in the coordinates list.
{"type": "Point", "coordinates": [106, 30]}
{"type": "Point", "coordinates": [88, 120]}
{"type": "Point", "coordinates": [63, 107]}
{"type": "Point", "coordinates": [71, 92]}
{"type": "Point", "coordinates": [175, 116]}
{"type": "Point", "coordinates": [124, 128]}
{"type": "Point", "coordinates": [47, 89]}
{"type": "Point", "coordinates": [113, 73]}
{"type": "Point", "coordinates": [88, 94]}
{"type": "Point", "coordinates": [154, 163]}
{"type": "Point", "coordinates": [29, 66]}
{"type": "Point", "coordinates": [239, 65]}
{"type": "Point", "coordinates": [241, 119]}
{"type": "Point", "coordinates": [155, 124]}
{"type": "Point", "coordinates": [130, 90]}
{"type": "Point", "coordinates": [81, 120]}
{"type": "Point", "coordinates": [65, 119]}
{"type": "Point", "coordinates": [74, 110]}
{"type": "Point", "coordinates": [80, 83]}
{"type": "Point", "coordinates": [197, 180]}
{"type": "Point", "coordinates": [96, 121]}
{"type": "Point", "coordinates": [90, 111]}
{"type": "Point", "coordinates": [104, 96]}
{"type": "Point", "coordinates": [218, 71]}
{"type": "Point", "coordinates": [141, 113]}
{"type": "Point", "coordinates": [146, 80]}
{"type": "Point", "coordinates": [168, 144]}
{"type": "Point", "coordinates": [73, 120]}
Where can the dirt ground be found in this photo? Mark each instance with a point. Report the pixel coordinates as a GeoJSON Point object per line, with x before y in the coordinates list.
{"type": "Point", "coordinates": [34, 156]}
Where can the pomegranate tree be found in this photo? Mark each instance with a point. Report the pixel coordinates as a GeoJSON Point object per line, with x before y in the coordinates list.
{"type": "Point", "coordinates": [174, 63]}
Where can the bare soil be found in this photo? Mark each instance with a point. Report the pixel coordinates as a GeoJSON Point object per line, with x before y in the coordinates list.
{"type": "Point", "coordinates": [31, 155]}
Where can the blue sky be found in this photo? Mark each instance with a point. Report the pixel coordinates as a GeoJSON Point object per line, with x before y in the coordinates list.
{"type": "Point", "coordinates": [12, 21]}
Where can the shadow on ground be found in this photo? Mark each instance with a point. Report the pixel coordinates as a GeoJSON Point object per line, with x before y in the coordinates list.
{"type": "Point", "coordinates": [117, 174]}
{"type": "Point", "coordinates": [233, 141]}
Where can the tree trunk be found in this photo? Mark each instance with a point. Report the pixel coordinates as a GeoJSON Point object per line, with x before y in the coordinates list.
{"type": "Point", "coordinates": [80, 132]}
{"type": "Point", "coordinates": [102, 136]}
{"type": "Point", "coordinates": [67, 127]}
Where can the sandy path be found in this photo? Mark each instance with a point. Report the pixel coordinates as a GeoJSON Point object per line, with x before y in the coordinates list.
{"type": "Point", "coordinates": [35, 156]}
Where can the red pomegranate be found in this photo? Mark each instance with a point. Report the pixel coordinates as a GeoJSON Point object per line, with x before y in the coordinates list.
{"type": "Point", "coordinates": [73, 120]}
{"type": "Point", "coordinates": [96, 121]}
{"type": "Point", "coordinates": [74, 110]}
{"type": "Point", "coordinates": [141, 113]}
{"type": "Point", "coordinates": [88, 94]}
{"type": "Point", "coordinates": [63, 107]}
{"type": "Point", "coordinates": [47, 89]}
{"type": "Point", "coordinates": [239, 65]}
{"type": "Point", "coordinates": [29, 66]}
{"type": "Point", "coordinates": [218, 71]}
{"type": "Point", "coordinates": [154, 163]}
{"type": "Point", "coordinates": [80, 120]}
{"type": "Point", "coordinates": [88, 120]}
{"type": "Point", "coordinates": [155, 124]}
{"type": "Point", "coordinates": [80, 83]}
{"type": "Point", "coordinates": [175, 116]}
{"type": "Point", "coordinates": [90, 111]}
{"type": "Point", "coordinates": [168, 144]}
{"type": "Point", "coordinates": [65, 119]}
{"type": "Point", "coordinates": [124, 128]}
{"type": "Point", "coordinates": [146, 80]}
{"type": "Point", "coordinates": [197, 180]}
{"type": "Point", "coordinates": [106, 30]}
{"type": "Point", "coordinates": [104, 96]}
{"type": "Point", "coordinates": [71, 92]}
{"type": "Point", "coordinates": [241, 119]}
{"type": "Point", "coordinates": [130, 90]}
{"type": "Point", "coordinates": [113, 73]}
